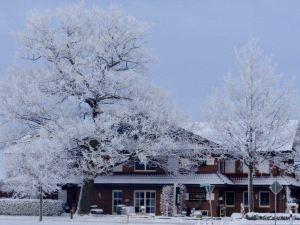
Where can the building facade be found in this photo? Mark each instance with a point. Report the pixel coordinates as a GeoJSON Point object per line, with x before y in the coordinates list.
{"type": "Point", "coordinates": [141, 186]}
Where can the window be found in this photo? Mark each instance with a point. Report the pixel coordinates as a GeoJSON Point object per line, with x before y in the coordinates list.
{"type": "Point", "coordinates": [199, 196]}
{"type": "Point", "coordinates": [245, 198]}
{"type": "Point", "coordinates": [210, 161]}
{"type": "Point", "coordinates": [264, 167]}
{"type": "Point", "coordinates": [264, 199]}
{"type": "Point", "coordinates": [138, 166]}
{"type": "Point", "coordinates": [117, 200]}
{"type": "Point", "coordinates": [118, 168]}
{"type": "Point", "coordinates": [229, 198]}
{"type": "Point", "coordinates": [144, 201]}
{"type": "Point", "coordinates": [230, 166]}
{"type": "Point", "coordinates": [202, 162]}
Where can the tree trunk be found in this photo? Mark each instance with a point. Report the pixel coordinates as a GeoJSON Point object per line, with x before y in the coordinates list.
{"type": "Point", "coordinates": [85, 196]}
{"type": "Point", "coordinates": [41, 203]}
{"type": "Point", "coordinates": [250, 189]}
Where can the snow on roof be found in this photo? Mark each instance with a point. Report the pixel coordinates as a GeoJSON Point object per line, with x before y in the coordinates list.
{"type": "Point", "coordinates": [267, 181]}
{"type": "Point", "coordinates": [204, 130]}
{"type": "Point", "coordinates": [200, 128]}
{"type": "Point", "coordinates": [209, 178]}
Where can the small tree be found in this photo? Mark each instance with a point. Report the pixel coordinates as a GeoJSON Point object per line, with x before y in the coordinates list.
{"type": "Point", "coordinates": [34, 166]}
{"type": "Point", "coordinates": [167, 200]}
{"type": "Point", "coordinates": [181, 207]}
{"type": "Point", "coordinates": [249, 116]}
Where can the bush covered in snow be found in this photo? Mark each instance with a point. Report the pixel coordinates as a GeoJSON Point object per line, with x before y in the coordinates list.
{"type": "Point", "coordinates": [271, 216]}
{"type": "Point", "coordinates": [167, 200]}
{"type": "Point", "coordinates": [30, 207]}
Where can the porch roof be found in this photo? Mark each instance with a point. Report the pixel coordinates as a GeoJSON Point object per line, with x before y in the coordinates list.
{"type": "Point", "coordinates": [266, 181]}
{"type": "Point", "coordinates": [209, 178]}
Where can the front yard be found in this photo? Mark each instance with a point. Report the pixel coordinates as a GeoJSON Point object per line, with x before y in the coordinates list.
{"type": "Point", "coordinates": [91, 220]}
{"type": "Point", "coordinates": [137, 220]}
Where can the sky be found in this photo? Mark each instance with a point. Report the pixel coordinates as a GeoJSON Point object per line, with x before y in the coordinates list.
{"type": "Point", "coordinates": [192, 39]}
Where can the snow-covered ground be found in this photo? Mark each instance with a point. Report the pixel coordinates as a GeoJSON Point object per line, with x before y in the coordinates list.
{"type": "Point", "coordinates": [89, 220]}
{"type": "Point", "coordinates": [118, 220]}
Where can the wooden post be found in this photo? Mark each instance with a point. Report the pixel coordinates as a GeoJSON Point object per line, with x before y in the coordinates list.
{"type": "Point", "coordinates": [41, 203]}
{"type": "Point", "coordinates": [275, 207]}
{"type": "Point", "coordinates": [72, 211]}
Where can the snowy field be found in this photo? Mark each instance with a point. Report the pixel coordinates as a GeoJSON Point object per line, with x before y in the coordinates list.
{"type": "Point", "coordinates": [118, 220]}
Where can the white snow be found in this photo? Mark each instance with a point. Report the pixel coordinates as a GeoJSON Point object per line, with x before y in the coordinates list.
{"type": "Point", "coordinates": [118, 220]}
{"type": "Point", "coordinates": [213, 178]}
{"type": "Point", "coordinates": [90, 220]}
{"type": "Point", "coordinates": [283, 180]}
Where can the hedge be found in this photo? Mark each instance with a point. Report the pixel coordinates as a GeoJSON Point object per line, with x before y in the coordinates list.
{"type": "Point", "coordinates": [271, 216]}
{"type": "Point", "coordinates": [30, 207]}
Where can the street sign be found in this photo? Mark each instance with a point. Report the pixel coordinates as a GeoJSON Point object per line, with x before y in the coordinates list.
{"type": "Point", "coordinates": [276, 187]}
{"type": "Point", "coordinates": [177, 195]}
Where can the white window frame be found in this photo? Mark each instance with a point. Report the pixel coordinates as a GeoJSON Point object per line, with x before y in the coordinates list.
{"type": "Point", "coordinates": [145, 198]}
{"type": "Point", "coordinates": [244, 199]}
{"type": "Point", "coordinates": [264, 167]}
{"type": "Point", "coordinates": [113, 199]}
{"type": "Point", "coordinates": [231, 161]}
{"type": "Point", "coordinates": [233, 198]}
{"type": "Point", "coordinates": [210, 161]}
{"type": "Point", "coordinates": [144, 170]}
{"type": "Point", "coordinates": [264, 206]}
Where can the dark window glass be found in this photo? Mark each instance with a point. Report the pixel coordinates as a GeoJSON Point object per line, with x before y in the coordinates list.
{"type": "Point", "coordinates": [140, 166]}
{"type": "Point", "coordinates": [229, 198]}
{"type": "Point", "coordinates": [150, 166]}
{"type": "Point", "coordinates": [264, 198]}
{"type": "Point", "coordinates": [245, 198]}
{"type": "Point", "coordinates": [117, 197]}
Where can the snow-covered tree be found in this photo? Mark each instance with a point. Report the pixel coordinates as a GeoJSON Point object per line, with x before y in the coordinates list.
{"type": "Point", "coordinates": [34, 167]}
{"type": "Point", "coordinates": [137, 131]}
{"type": "Point", "coordinates": [182, 197]}
{"type": "Point", "coordinates": [87, 84]}
{"type": "Point", "coordinates": [167, 200]}
{"type": "Point", "coordinates": [249, 116]}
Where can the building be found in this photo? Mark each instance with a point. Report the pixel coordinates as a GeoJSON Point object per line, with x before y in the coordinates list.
{"type": "Point", "coordinates": [140, 186]}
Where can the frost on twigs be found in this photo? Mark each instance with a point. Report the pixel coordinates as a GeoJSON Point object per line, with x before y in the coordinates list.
{"type": "Point", "coordinates": [86, 95]}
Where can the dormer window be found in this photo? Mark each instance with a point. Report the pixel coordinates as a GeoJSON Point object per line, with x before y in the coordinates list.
{"type": "Point", "coordinates": [141, 167]}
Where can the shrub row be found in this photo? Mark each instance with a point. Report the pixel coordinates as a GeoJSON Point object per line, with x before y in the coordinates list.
{"type": "Point", "coordinates": [271, 216]}
{"type": "Point", "coordinates": [30, 207]}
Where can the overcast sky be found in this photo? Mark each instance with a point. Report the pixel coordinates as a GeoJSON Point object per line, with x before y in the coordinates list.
{"type": "Point", "coordinates": [193, 40]}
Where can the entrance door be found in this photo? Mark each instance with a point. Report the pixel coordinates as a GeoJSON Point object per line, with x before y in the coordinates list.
{"type": "Point", "coordinates": [144, 201]}
{"type": "Point", "coordinates": [117, 200]}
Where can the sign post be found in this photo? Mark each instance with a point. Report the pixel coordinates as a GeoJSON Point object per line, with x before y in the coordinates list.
{"type": "Point", "coordinates": [276, 188]}
{"type": "Point", "coordinates": [209, 189]}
